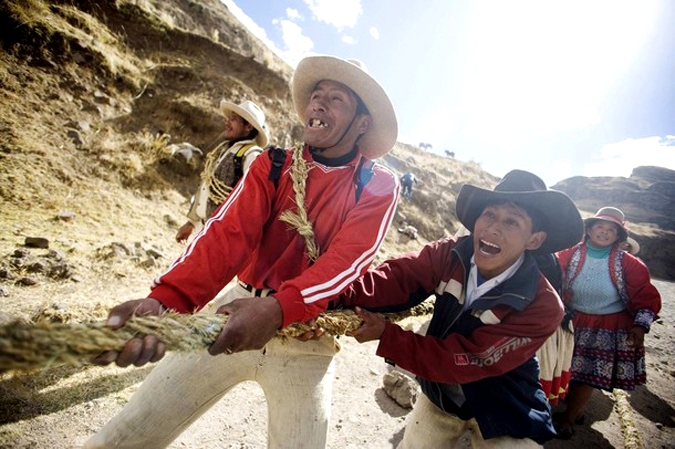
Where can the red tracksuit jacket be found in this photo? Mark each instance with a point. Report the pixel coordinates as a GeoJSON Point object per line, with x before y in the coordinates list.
{"type": "Point", "coordinates": [245, 238]}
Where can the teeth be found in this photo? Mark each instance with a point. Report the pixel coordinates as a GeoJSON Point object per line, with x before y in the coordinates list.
{"type": "Point", "coordinates": [316, 123]}
{"type": "Point", "coordinates": [489, 244]}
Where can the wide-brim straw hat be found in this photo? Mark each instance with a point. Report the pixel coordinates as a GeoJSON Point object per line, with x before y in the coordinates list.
{"type": "Point", "coordinates": [561, 219]}
{"type": "Point", "coordinates": [252, 113]}
{"type": "Point", "coordinates": [611, 214]}
{"type": "Point", "coordinates": [381, 136]}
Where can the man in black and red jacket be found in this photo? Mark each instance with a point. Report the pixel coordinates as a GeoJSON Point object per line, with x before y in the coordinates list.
{"type": "Point", "coordinates": [476, 364]}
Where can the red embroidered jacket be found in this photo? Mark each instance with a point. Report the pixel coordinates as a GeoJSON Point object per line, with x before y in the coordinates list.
{"type": "Point", "coordinates": [629, 275]}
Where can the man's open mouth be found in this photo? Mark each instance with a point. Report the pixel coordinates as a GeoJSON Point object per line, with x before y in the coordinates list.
{"type": "Point", "coordinates": [488, 248]}
{"type": "Point", "coordinates": [316, 123]}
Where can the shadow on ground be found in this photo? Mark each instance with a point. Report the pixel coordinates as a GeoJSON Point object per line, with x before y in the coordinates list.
{"type": "Point", "coordinates": [27, 396]}
{"type": "Point", "coordinates": [599, 408]}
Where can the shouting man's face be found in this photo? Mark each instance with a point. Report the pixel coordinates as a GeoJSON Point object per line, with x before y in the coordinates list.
{"type": "Point", "coordinates": [501, 234]}
{"type": "Point", "coordinates": [331, 120]}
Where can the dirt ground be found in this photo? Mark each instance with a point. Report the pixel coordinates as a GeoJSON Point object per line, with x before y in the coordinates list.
{"type": "Point", "coordinates": [61, 408]}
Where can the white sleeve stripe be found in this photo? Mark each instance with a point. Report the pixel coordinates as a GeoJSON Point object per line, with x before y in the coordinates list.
{"type": "Point", "coordinates": [343, 279]}
{"type": "Point", "coordinates": [488, 317]}
{"type": "Point", "coordinates": [367, 254]}
{"type": "Point", "coordinates": [219, 216]}
{"type": "Point", "coordinates": [353, 273]}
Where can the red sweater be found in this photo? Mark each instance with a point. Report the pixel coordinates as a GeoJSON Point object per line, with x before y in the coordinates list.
{"type": "Point", "coordinates": [245, 238]}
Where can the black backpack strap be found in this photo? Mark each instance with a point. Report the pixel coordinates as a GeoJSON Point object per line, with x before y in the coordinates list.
{"type": "Point", "coordinates": [239, 161]}
{"type": "Point", "coordinates": [363, 175]}
{"type": "Point", "coordinates": [278, 156]}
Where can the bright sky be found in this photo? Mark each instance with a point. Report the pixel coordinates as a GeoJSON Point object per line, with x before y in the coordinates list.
{"type": "Point", "coordinates": [559, 88]}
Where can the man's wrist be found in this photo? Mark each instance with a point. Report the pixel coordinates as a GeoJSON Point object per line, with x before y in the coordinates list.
{"type": "Point", "coordinates": [159, 306]}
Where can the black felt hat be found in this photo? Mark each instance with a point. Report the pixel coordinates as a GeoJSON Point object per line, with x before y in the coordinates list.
{"type": "Point", "coordinates": [562, 221]}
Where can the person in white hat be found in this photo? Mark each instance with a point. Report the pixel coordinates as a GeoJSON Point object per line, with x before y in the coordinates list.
{"type": "Point", "coordinates": [614, 304]}
{"type": "Point", "coordinates": [245, 137]}
{"type": "Point", "coordinates": [339, 204]}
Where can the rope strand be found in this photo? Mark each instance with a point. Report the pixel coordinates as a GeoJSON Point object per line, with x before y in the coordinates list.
{"type": "Point", "coordinates": [30, 346]}
{"type": "Point", "coordinates": [218, 190]}
{"type": "Point", "coordinates": [299, 220]}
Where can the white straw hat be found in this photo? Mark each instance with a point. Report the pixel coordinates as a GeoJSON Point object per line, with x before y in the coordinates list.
{"type": "Point", "coordinates": [381, 136]}
{"type": "Point", "coordinates": [252, 113]}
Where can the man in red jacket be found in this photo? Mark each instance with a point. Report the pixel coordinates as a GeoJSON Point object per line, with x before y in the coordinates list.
{"type": "Point", "coordinates": [284, 276]}
{"type": "Point", "coordinates": [493, 310]}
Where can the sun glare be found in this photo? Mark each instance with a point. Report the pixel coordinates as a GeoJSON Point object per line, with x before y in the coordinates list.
{"type": "Point", "coordinates": [538, 66]}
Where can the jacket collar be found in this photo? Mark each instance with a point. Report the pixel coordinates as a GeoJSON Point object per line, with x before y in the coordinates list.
{"type": "Point", "coordinates": [241, 142]}
{"type": "Point", "coordinates": [518, 291]}
{"type": "Point", "coordinates": [336, 161]}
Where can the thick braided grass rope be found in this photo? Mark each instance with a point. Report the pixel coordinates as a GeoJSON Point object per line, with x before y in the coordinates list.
{"type": "Point", "coordinates": [299, 220]}
{"type": "Point", "coordinates": [218, 190]}
{"type": "Point", "coordinates": [631, 434]}
{"type": "Point", "coordinates": [31, 346]}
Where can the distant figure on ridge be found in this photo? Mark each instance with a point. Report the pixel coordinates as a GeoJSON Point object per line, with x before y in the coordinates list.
{"type": "Point", "coordinates": [407, 182]}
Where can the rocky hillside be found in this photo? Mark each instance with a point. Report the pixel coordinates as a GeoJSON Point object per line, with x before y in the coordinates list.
{"type": "Point", "coordinates": [92, 94]}
{"type": "Point", "coordinates": [647, 198]}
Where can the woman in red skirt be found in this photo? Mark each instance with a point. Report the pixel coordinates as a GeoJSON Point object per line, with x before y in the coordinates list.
{"type": "Point", "coordinates": [614, 304]}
